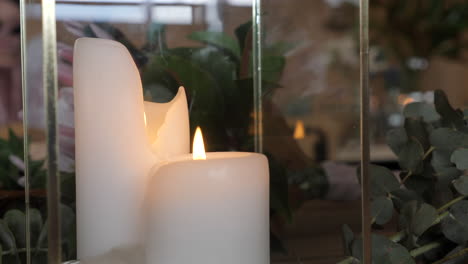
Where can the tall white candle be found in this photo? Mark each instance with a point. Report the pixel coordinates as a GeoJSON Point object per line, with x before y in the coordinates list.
{"type": "Point", "coordinates": [113, 148]}
{"type": "Point", "coordinates": [209, 211]}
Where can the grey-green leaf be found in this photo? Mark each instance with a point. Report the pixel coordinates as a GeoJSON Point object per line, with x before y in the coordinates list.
{"type": "Point", "coordinates": [382, 210]}
{"type": "Point", "coordinates": [455, 225]}
{"type": "Point", "coordinates": [348, 237]}
{"type": "Point", "coordinates": [460, 158]}
{"type": "Point", "coordinates": [421, 110]}
{"type": "Point", "coordinates": [383, 181]}
{"type": "Point", "coordinates": [450, 117]}
{"type": "Point", "coordinates": [424, 218]}
{"type": "Point", "coordinates": [218, 39]}
{"type": "Point", "coordinates": [16, 222]}
{"type": "Point", "coordinates": [417, 217]}
{"type": "Point", "coordinates": [384, 251]}
{"type": "Point", "coordinates": [417, 129]}
{"type": "Point", "coordinates": [396, 139]}
{"type": "Point", "coordinates": [461, 185]}
{"type": "Point", "coordinates": [6, 237]}
{"type": "Point", "coordinates": [447, 139]}
{"type": "Point", "coordinates": [35, 223]}
{"type": "Point", "coordinates": [411, 156]}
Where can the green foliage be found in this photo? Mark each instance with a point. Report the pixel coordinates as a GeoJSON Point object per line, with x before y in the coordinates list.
{"type": "Point", "coordinates": [455, 225]}
{"type": "Point", "coordinates": [384, 251]}
{"type": "Point", "coordinates": [13, 236]}
{"type": "Point", "coordinates": [12, 165]}
{"type": "Point", "coordinates": [382, 210]}
{"type": "Point", "coordinates": [430, 198]}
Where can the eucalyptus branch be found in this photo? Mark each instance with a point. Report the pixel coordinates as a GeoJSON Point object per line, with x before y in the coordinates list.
{"type": "Point", "coordinates": [406, 177]}
{"type": "Point", "coordinates": [400, 235]}
{"type": "Point", "coordinates": [426, 248]}
{"type": "Point", "coordinates": [349, 260]}
{"type": "Point", "coordinates": [428, 152]}
{"type": "Point", "coordinates": [453, 256]}
{"type": "Point", "coordinates": [452, 202]}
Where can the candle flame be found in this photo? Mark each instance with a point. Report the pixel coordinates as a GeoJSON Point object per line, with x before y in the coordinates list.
{"type": "Point", "coordinates": [299, 131]}
{"type": "Point", "coordinates": [198, 146]}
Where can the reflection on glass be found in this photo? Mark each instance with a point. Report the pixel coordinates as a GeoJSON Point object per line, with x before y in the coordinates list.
{"type": "Point", "coordinates": [12, 164]}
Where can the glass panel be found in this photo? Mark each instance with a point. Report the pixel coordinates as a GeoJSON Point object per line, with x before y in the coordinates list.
{"type": "Point", "coordinates": [311, 126]}
{"type": "Point", "coordinates": [203, 45]}
{"type": "Point", "coordinates": [12, 165]}
{"type": "Point", "coordinates": [418, 47]}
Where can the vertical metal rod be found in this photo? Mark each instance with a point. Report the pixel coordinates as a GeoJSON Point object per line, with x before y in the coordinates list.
{"type": "Point", "coordinates": [257, 74]}
{"type": "Point", "coordinates": [50, 95]}
{"type": "Point", "coordinates": [24, 87]}
{"type": "Point", "coordinates": [365, 145]}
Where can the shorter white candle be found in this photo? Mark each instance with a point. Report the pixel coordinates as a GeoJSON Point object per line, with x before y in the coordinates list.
{"type": "Point", "coordinates": [209, 211]}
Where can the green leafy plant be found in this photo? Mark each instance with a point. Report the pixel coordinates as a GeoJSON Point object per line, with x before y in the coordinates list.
{"type": "Point", "coordinates": [13, 224]}
{"type": "Point", "coordinates": [429, 198]}
{"type": "Point", "coordinates": [12, 165]}
{"type": "Point", "coordinates": [13, 236]}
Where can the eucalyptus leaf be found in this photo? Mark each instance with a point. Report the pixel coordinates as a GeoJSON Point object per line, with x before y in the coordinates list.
{"type": "Point", "coordinates": [396, 139]}
{"type": "Point", "coordinates": [402, 196]}
{"type": "Point", "coordinates": [383, 181]}
{"type": "Point", "coordinates": [421, 110]}
{"type": "Point", "coordinates": [460, 158]}
{"type": "Point", "coordinates": [450, 117]}
{"type": "Point", "coordinates": [384, 251]}
{"type": "Point", "coordinates": [36, 224]}
{"type": "Point", "coordinates": [218, 39]}
{"type": "Point", "coordinates": [465, 113]}
{"type": "Point", "coordinates": [445, 176]}
{"type": "Point", "coordinates": [417, 217]}
{"type": "Point", "coordinates": [461, 185]}
{"type": "Point", "coordinates": [381, 210]}
{"type": "Point", "coordinates": [416, 129]}
{"type": "Point", "coordinates": [16, 222]}
{"type": "Point", "coordinates": [441, 160]}
{"type": "Point", "coordinates": [7, 238]}
{"type": "Point", "coordinates": [455, 225]}
{"type": "Point", "coordinates": [425, 217]}
{"type": "Point", "coordinates": [411, 156]}
{"type": "Point", "coordinates": [447, 139]}
{"type": "Point", "coordinates": [348, 238]}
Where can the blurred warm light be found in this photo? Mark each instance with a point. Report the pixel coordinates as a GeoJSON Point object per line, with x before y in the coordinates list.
{"type": "Point", "coordinates": [144, 117]}
{"type": "Point", "coordinates": [404, 99]}
{"type": "Point", "coordinates": [299, 131]}
{"type": "Point", "coordinates": [198, 146]}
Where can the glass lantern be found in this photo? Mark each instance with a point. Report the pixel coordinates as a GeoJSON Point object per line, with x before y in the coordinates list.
{"type": "Point", "coordinates": [276, 77]}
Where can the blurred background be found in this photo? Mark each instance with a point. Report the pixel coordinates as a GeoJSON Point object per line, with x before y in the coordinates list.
{"type": "Point", "coordinates": [310, 95]}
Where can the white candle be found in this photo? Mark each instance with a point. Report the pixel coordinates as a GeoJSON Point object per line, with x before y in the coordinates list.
{"type": "Point", "coordinates": [168, 126]}
{"type": "Point", "coordinates": [113, 148]}
{"type": "Point", "coordinates": [209, 211]}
